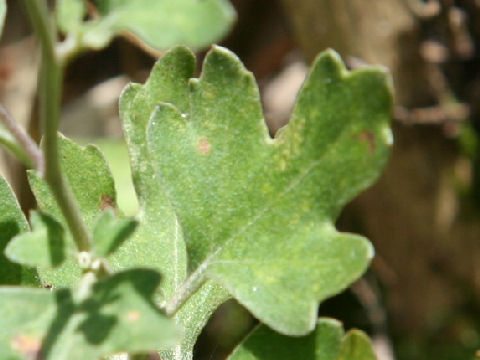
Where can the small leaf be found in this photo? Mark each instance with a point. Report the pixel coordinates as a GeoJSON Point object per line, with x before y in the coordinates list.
{"type": "Point", "coordinates": [326, 343]}
{"type": "Point", "coordinates": [258, 213]}
{"type": "Point", "coordinates": [110, 232]}
{"type": "Point", "coordinates": [12, 223]}
{"type": "Point", "coordinates": [44, 246]}
{"type": "Point", "coordinates": [357, 346]}
{"type": "Point", "coordinates": [92, 185]}
{"type": "Point", "coordinates": [118, 316]}
{"type": "Point", "coordinates": [160, 24]}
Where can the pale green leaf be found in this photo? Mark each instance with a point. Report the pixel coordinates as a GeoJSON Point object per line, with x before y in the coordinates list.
{"type": "Point", "coordinates": [118, 316]}
{"type": "Point", "coordinates": [258, 213]}
{"type": "Point", "coordinates": [110, 232]}
{"type": "Point", "coordinates": [12, 222]}
{"type": "Point", "coordinates": [327, 342]}
{"type": "Point", "coordinates": [69, 15]}
{"type": "Point", "coordinates": [159, 233]}
{"type": "Point", "coordinates": [159, 23]}
{"type": "Point", "coordinates": [44, 246]}
{"type": "Point", "coordinates": [92, 185]}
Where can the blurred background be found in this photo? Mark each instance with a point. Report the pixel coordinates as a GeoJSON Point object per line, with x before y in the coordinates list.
{"type": "Point", "coordinates": [421, 298]}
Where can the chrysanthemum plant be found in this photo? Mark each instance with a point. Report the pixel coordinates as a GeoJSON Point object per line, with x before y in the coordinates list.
{"type": "Point", "coordinates": [226, 211]}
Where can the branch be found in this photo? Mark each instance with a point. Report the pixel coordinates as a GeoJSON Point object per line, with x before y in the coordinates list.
{"type": "Point", "coordinates": [25, 141]}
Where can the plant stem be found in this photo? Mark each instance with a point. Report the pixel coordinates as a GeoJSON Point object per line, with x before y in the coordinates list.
{"type": "Point", "coordinates": [24, 140]}
{"type": "Point", "coordinates": [50, 100]}
{"type": "Point", "coordinates": [186, 290]}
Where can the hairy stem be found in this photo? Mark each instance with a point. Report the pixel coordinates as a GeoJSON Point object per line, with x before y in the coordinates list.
{"type": "Point", "coordinates": [50, 98]}
{"type": "Point", "coordinates": [24, 140]}
{"type": "Point", "coordinates": [188, 288]}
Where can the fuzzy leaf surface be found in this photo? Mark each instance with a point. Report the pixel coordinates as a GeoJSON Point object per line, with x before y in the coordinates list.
{"type": "Point", "coordinates": [119, 315]}
{"type": "Point", "coordinates": [12, 223]}
{"type": "Point", "coordinates": [44, 246]}
{"type": "Point", "coordinates": [110, 232]}
{"type": "Point", "coordinates": [92, 185]}
{"type": "Point", "coordinates": [258, 213]}
{"type": "Point", "coordinates": [158, 23]}
{"type": "Point", "coordinates": [327, 342]}
{"type": "Point", "coordinates": [159, 231]}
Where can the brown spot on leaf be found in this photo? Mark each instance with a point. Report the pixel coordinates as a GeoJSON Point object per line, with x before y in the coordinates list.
{"type": "Point", "coordinates": [204, 146]}
{"type": "Point", "coordinates": [106, 203]}
{"type": "Point", "coordinates": [28, 346]}
{"type": "Point", "coordinates": [368, 137]}
{"type": "Point", "coordinates": [133, 315]}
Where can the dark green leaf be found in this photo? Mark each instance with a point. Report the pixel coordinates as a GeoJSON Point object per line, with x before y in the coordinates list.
{"type": "Point", "coordinates": [326, 343]}
{"type": "Point", "coordinates": [44, 246]}
{"type": "Point", "coordinates": [110, 232]}
{"type": "Point", "coordinates": [12, 222]}
{"type": "Point", "coordinates": [258, 213]}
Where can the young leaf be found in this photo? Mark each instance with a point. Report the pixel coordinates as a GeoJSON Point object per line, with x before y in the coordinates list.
{"type": "Point", "coordinates": [160, 24]}
{"type": "Point", "coordinates": [118, 316]}
{"type": "Point", "coordinates": [159, 233]}
{"type": "Point", "coordinates": [258, 213]}
{"type": "Point", "coordinates": [93, 187]}
{"type": "Point", "coordinates": [326, 343]}
{"type": "Point", "coordinates": [44, 246]}
{"type": "Point", "coordinates": [110, 232]}
{"type": "Point", "coordinates": [12, 222]}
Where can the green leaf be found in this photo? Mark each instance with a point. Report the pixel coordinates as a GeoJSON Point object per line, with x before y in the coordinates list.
{"type": "Point", "coordinates": [92, 185]}
{"type": "Point", "coordinates": [258, 213]}
{"type": "Point", "coordinates": [69, 15]}
{"type": "Point", "coordinates": [12, 222]}
{"type": "Point", "coordinates": [356, 346]}
{"type": "Point", "coordinates": [110, 232]}
{"type": "Point", "coordinates": [160, 24]}
{"type": "Point", "coordinates": [326, 343]}
{"type": "Point", "coordinates": [118, 316]}
{"type": "Point", "coordinates": [159, 236]}
{"type": "Point", "coordinates": [44, 246]}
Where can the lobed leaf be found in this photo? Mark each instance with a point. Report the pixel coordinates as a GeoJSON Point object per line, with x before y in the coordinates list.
{"type": "Point", "coordinates": [118, 316]}
{"type": "Point", "coordinates": [159, 233]}
{"type": "Point", "coordinates": [12, 223]}
{"type": "Point", "coordinates": [257, 213]}
{"type": "Point", "coordinates": [190, 22]}
{"type": "Point", "coordinates": [327, 342]}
